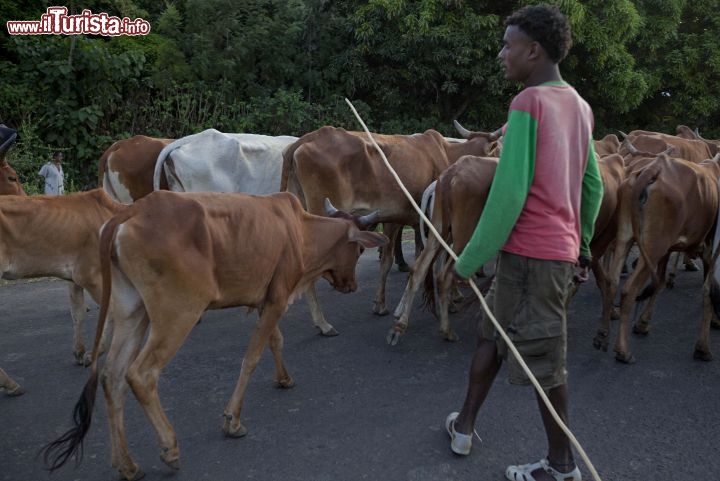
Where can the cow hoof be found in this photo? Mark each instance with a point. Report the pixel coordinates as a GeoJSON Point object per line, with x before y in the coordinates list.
{"type": "Point", "coordinates": [451, 336]}
{"type": "Point", "coordinates": [18, 391]}
{"type": "Point", "coordinates": [614, 314]}
{"type": "Point", "coordinates": [600, 342]}
{"type": "Point", "coordinates": [702, 352]}
{"type": "Point", "coordinates": [691, 266]}
{"type": "Point", "coordinates": [702, 355]}
{"type": "Point", "coordinates": [81, 358]}
{"type": "Point", "coordinates": [670, 283]}
{"type": "Point", "coordinates": [380, 310]}
{"type": "Point", "coordinates": [625, 358]}
{"type": "Point", "coordinates": [641, 329]}
{"type": "Point", "coordinates": [403, 267]}
{"type": "Point", "coordinates": [329, 333]}
{"type": "Point", "coordinates": [133, 475]}
{"type": "Point", "coordinates": [286, 383]}
{"type": "Point", "coordinates": [233, 431]}
{"type": "Point", "coordinates": [715, 324]}
{"type": "Point", "coordinates": [171, 457]}
{"type": "Point", "coordinates": [393, 337]}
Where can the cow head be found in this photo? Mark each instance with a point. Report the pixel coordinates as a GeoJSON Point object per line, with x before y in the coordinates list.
{"type": "Point", "coordinates": [9, 183]}
{"type": "Point", "coordinates": [348, 250]}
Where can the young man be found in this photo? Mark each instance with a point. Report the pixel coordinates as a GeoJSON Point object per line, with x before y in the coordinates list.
{"type": "Point", "coordinates": [53, 174]}
{"type": "Point", "coordinates": [540, 215]}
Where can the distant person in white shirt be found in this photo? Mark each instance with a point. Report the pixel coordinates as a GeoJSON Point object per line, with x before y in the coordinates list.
{"type": "Point", "coordinates": [53, 174]}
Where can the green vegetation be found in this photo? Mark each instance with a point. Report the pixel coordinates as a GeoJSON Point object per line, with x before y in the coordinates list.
{"type": "Point", "coordinates": [284, 67]}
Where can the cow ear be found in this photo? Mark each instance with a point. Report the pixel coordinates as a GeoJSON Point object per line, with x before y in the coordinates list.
{"type": "Point", "coordinates": [368, 239]}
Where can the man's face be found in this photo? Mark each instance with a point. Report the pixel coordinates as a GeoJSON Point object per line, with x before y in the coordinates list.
{"type": "Point", "coordinates": [517, 53]}
{"type": "Point", "coordinates": [58, 158]}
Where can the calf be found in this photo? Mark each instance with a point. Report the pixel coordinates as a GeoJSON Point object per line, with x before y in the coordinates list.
{"type": "Point", "coordinates": [171, 256]}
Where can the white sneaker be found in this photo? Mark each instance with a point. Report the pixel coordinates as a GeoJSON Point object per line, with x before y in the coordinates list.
{"type": "Point", "coordinates": [459, 443]}
{"type": "Point", "coordinates": [523, 472]}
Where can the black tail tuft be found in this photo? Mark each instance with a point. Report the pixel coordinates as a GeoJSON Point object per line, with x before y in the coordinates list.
{"type": "Point", "coordinates": [58, 452]}
{"type": "Point", "coordinates": [646, 293]}
{"type": "Point", "coordinates": [715, 296]}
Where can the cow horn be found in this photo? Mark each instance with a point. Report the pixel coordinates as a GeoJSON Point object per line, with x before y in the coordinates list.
{"type": "Point", "coordinates": [623, 134]}
{"type": "Point", "coordinates": [369, 219]}
{"type": "Point", "coordinates": [464, 133]}
{"type": "Point", "coordinates": [330, 209]}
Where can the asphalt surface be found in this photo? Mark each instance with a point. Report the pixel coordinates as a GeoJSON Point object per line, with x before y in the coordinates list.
{"type": "Point", "coordinates": [363, 410]}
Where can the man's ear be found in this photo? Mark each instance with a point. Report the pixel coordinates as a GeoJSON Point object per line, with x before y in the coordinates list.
{"type": "Point", "coordinates": [535, 51]}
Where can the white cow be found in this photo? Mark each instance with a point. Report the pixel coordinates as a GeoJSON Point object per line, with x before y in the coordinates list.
{"type": "Point", "coordinates": [213, 161]}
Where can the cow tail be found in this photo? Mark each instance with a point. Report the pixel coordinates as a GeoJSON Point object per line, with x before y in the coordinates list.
{"type": "Point", "coordinates": [442, 202]}
{"type": "Point", "coordinates": [288, 165]}
{"type": "Point", "coordinates": [58, 452]}
{"type": "Point", "coordinates": [640, 195]}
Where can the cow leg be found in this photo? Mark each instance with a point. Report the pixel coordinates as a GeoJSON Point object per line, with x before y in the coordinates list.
{"type": "Point", "coordinates": [78, 311]}
{"type": "Point", "coordinates": [446, 285]}
{"type": "Point", "coordinates": [673, 272]}
{"type": "Point", "coordinates": [611, 283]}
{"type": "Point", "coordinates": [702, 346]}
{"type": "Point", "coordinates": [627, 301]}
{"type": "Point", "coordinates": [318, 318]}
{"type": "Point", "coordinates": [11, 387]}
{"type": "Point", "coordinates": [267, 324]}
{"type": "Point", "coordinates": [642, 326]}
{"type": "Point", "coordinates": [417, 273]}
{"type": "Point", "coordinates": [282, 377]}
{"type": "Point", "coordinates": [170, 325]}
{"type": "Point", "coordinates": [386, 261]}
{"type": "Point", "coordinates": [124, 348]}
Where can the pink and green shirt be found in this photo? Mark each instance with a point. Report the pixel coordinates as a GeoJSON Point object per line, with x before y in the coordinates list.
{"type": "Point", "coordinates": [547, 189]}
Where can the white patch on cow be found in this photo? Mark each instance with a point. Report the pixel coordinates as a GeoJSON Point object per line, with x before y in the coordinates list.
{"type": "Point", "coordinates": [212, 161]}
{"type": "Point", "coordinates": [113, 186]}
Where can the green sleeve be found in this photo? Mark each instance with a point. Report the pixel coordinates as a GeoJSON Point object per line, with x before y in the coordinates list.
{"type": "Point", "coordinates": [592, 194]}
{"type": "Point", "coordinates": [508, 192]}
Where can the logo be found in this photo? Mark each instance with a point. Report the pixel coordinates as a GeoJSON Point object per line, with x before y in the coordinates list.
{"type": "Point", "coordinates": [57, 22]}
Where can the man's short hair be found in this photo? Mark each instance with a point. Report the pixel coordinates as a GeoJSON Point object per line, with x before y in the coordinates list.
{"type": "Point", "coordinates": [57, 153]}
{"type": "Point", "coordinates": [546, 25]}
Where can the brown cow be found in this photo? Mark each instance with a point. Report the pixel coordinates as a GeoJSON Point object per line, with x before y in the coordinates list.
{"type": "Point", "coordinates": [56, 236]}
{"type": "Point", "coordinates": [687, 133]}
{"type": "Point", "coordinates": [171, 256]}
{"type": "Point", "coordinates": [126, 168]}
{"type": "Point", "coordinates": [345, 167]}
{"type": "Point", "coordinates": [692, 150]}
{"type": "Point", "coordinates": [668, 205]}
{"type": "Point", "coordinates": [9, 183]}
{"type": "Point", "coordinates": [459, 198]}
{"type": "Point", "coordinates": [608, 145]}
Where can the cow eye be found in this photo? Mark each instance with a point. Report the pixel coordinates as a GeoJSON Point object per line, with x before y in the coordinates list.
{"type": "Point", "coordinates": [12, 179]}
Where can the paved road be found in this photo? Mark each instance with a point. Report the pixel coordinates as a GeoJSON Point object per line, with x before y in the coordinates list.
{"type": "Point", "coordinates": [362, 410]}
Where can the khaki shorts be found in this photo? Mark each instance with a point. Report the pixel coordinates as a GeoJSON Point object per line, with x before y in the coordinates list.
{"type": "Point", "coordinates": [527, 297]}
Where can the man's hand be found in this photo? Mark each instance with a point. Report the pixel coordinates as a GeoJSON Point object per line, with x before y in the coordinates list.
{"type": "Point", "coordinates": [582, 275]}
{"type": "Point", "coordinates": [458, 278]}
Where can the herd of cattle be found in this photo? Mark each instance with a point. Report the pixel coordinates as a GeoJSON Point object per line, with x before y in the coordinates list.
{"type": "Point", "coordinates": [155, 259]}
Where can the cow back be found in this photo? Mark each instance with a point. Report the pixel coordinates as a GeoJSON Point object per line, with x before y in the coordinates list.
{"type": "Point", "coordinates": [126, 168]}
{"type": "Point", "coordinates": [213, 161]}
